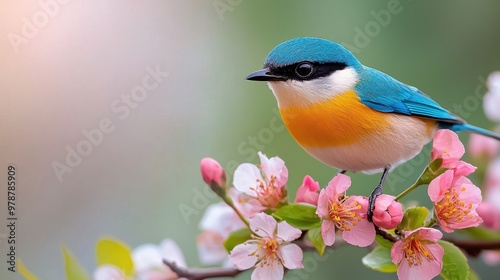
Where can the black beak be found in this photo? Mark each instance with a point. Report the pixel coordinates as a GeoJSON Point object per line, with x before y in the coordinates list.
{"type": "Point", "coordinates": [263, 75]}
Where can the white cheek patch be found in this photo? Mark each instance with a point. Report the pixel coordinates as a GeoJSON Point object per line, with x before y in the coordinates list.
{"type": "Point", "coordinates": [304, 93]}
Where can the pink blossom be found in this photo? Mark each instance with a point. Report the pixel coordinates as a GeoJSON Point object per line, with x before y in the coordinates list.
{"type": "Point", "coordinates": [148, 260]}
{"type": "Point", "coordinates": [480, 145]}
{"type": "Point", "coordinates": [491, 101]}
{"type": "Point", "coordinates": [455, 201]}
{"type": "Point", "coordinates": [247, 205]}
{"type": "Point", "coordinates": [448, 147]}
{"type": "Point", "coordinates": [212, 172]}
{"type": "Point", "coordinates": [269, 249]}
{"type": "Point", "coordinates": [418, 255]}
{"type": "Point", "coordinates": [266, 183]}
{"type": "Point", "coordinates": [493, 175]}
{"type": "Point", "coordinates": [217, 223]}
{"type": "Point", "coordinates": [388, 213]}
{"type": "Point", "coordinates": [308, 192]}
{"type": "Point", "coordinates": [489, 210]}
{"type": "Point", "coordinates": [462, 168]}
{"type": "Point", "coordinates": [491, 257]}
{"type": "Point", "coordinates": [345, 213]}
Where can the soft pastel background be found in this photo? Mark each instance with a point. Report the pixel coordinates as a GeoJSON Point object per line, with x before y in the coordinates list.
{"type": "Point", "coordinates": [66, 76]}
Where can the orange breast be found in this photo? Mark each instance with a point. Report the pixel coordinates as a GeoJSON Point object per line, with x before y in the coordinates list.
{"type": "Point", "coordinates": [342, 120]}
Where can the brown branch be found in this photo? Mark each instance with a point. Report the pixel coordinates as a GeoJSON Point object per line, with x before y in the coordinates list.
{"type": "Point", "coordinates": [216, 272]}
{"type": "Point", "coordinates": [384, 234]}
{"type": "Point", "coordinates": [203, 273]}
{"type": "Point", "coordinates": [474, 248]}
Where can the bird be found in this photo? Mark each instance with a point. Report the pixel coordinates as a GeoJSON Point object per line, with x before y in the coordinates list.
{"type": "Point", "coordinates": [349, 116]}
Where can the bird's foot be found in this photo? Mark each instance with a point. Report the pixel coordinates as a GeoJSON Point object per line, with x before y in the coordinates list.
{"type": "Point", "coordinates": [371, 202]}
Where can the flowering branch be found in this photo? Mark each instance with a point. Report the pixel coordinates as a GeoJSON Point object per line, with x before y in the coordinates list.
{"type": "Point", "coordinates": [216, 272]}
{"type": "Point", "coordinates": [204, 273]}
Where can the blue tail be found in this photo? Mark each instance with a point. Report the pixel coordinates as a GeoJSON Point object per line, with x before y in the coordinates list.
{"type": "Point", "coordinates": [470, 128]}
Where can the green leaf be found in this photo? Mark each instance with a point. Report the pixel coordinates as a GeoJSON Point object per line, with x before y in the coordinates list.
{"type": "Point", "coordinates": [299, 216]}
{"type": "Point", "coordinates": [74, 271]}
{"type": "Point", "coordinates": [455, 264]}
{"type": "Point", "coordinates": [24, 271]}
{"type": "Point", "coordinates": [115, 252]}
{"type": "Point", "coordinates": [473, 275]}
{"type": "Point", "coordinates": [380, 260]}
{"type": "Point", "coordinates": [314, 235]}
{"type": "Point", "coordinates": [383, 242]}
{"type": "Point", "coordinates": [413, 218]}
{"type": "Point", "coordinates": [237, 237]}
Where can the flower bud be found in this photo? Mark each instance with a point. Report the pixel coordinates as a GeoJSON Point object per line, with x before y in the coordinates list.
{"type": "Point", "coordinates": [213, 174]}
{"type": "Point", "coordinates": [388, 213]}
{"type": "Point", "coordinates": [308, 192]}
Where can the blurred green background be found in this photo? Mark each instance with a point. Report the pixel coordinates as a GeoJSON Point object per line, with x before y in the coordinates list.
{"type": "Point", "coordinates": [65, 76]}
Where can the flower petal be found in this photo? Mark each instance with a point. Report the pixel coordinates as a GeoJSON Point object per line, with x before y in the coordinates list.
{"type": "Point", "coordinates": [170, 251]}
{"type": "Point", "coordinates": [439, 185]}
{"type": "Point", "coordinates": [291, 255]}
{"type": "Point", "coordinates": [429, 234]}
{"type": "Point", "coordinates": [241, 256]}
{"type": "Point", "coordinates": [447, 146]}
{"type": "Point", "coordinates": [274, 167]}
{"type": "Point", "coordinates": [470, 193]}
{"type": "Point", "coordinates": [147, 257]}
{"type": "Point", "coordinates": [287, 232]}
{"type": "Point", "coordinates": [263, 225]}
{"type": "Point", "coordinates": [322, 209]}
{"type": "Point", "coordinates": [108, 272]}
{"type": "Point", "coordinates": [340, 183]}
{"type": "Point", "coordinates": [362, 235]}
{"type": "Point", "coordinates": [328, 232]}
{"type": "Point", "coordinates": [426, 270]}
{"type": "Point", "coordinates": [397, 252]}
{"type": "Point", "coordinates": [247, 205]}
{"type": "Point", "coordinates": [210, 246]}
{"type": "Point", "coordinates": [268, 271]}
{"type": "Point", "coordinates": [220, 218]}
{"type": "Point", "coordinates": [245, 178]}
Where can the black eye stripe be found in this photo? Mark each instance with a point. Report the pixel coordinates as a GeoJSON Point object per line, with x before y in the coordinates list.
{"type": "Point", "coordinates": [319, 70]}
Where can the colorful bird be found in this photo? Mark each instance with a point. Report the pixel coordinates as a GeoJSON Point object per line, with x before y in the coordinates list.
{"type": "Point", "coordinates": [350, 116]}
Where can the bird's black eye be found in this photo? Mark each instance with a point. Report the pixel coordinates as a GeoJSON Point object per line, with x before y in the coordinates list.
{"type": "Point", "coordinates": [304, 70]}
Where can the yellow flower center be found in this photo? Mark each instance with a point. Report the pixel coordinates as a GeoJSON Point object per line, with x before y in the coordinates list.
{"type": "Point", "coordinates": [270, 249]}
{"type": "Point", "coordinates": [451, 209]}
{"type": "Point", "coordinates": [344, 215]}
{"type": "Point", "coordinates": [269, 194]}
{"type": "Point", "coordinates": [415, 251]}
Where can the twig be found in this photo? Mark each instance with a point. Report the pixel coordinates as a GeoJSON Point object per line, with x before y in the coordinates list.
{"type": "Point", "coordinates": [384, 234]}
{"type": "Point", "coordinates": [216, 272]}
{"type": "Point", "coordinates": [474, 248]}
{"type": "Point", "coordinates": [199, 274]}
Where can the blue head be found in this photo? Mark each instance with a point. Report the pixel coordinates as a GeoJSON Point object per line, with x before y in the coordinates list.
{"type": "Point", "coordinates": [305, 70]}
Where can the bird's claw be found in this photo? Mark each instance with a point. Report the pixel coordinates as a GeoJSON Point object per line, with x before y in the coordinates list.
{"type": "Point", "coordinates": [371, 201]}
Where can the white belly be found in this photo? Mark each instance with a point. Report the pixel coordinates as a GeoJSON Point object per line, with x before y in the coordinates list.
{"type": "Point", "coordinates": [372, 154]}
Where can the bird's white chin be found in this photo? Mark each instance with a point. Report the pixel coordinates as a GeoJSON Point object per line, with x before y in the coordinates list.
{"type": "Point", "coordinates": [304, 93]}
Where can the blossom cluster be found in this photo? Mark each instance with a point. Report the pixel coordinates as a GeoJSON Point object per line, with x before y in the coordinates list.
{"type": "Point", "coordinates": [259, 198]}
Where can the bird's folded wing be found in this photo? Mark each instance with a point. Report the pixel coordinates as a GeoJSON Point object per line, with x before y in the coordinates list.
{"type": "Point", "coordinates": [383, 93]}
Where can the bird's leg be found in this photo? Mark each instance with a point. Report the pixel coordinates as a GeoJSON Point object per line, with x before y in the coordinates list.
{"type": "Point", "coordinates": [375, 193]}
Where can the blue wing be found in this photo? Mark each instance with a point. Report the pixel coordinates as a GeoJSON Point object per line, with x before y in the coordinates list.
{"type": "Point", "coordinates": [383, 93]}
